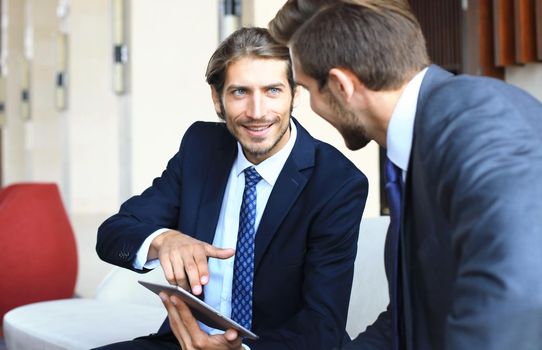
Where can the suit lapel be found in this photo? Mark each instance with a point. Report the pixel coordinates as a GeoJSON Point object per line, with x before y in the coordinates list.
{"type": "Point", "coordinates": [289, 185]}
{"type": "Point", "coordinates": [213, 192]}
{"type": "Point", "coordinates": [433, 78]}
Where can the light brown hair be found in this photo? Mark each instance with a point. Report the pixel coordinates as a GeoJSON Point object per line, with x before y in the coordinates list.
{"type": "Point", "coordinates": [253, 41]}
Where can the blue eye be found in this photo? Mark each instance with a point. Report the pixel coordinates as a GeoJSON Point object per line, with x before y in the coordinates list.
{"type": "Point", "coordinates": [239, 92]}
{"type": "Point", "coordinates": [274, 90]}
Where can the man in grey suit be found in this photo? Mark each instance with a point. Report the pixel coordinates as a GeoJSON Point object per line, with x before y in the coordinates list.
{"type": "Point", "coordinates": [464, 251]}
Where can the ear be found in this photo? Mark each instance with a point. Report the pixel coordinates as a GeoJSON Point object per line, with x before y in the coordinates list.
{"type": "Point", "coordinates": [342, 83]}
{"type": "Point", "coordinates": [216, 100]}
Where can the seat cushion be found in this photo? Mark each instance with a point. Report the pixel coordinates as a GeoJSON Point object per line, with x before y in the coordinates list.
{"type": "Point", "coordinates": [78, 324]}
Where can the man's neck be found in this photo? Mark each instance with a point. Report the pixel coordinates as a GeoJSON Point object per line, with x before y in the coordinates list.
{"type": "Point", "coordinates": [381, 105]}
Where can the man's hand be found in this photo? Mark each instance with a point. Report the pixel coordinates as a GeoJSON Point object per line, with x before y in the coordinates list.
{"type": "Point", "coordinates": [189, 334]}
{"type": "Point", "coordinates": [184, 259]}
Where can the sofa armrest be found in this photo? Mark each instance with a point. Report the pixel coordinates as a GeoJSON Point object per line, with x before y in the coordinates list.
{"type": "Point", "coordinates": [120, 285]}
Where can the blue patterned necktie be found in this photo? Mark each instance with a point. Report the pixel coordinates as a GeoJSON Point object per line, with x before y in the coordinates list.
{"type": "Point", "coordinates": [394, 189]}
{"type": "Point", "coordinates": [243, 268]}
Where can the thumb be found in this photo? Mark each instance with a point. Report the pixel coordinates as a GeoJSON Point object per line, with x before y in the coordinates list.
{"type": "Point", "coordinates": [220, 253]}
{"type": "Point", "coordinates": [231, 335]}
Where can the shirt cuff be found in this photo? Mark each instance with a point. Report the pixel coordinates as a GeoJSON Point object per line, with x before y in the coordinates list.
{"type": "Point", "coordinates": [140, 261]}
{"type": "Point", "coordinates": [245, 346]}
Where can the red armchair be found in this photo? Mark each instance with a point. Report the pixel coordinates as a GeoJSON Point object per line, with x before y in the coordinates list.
{"type": "Point", "coordinates": [38, 258]}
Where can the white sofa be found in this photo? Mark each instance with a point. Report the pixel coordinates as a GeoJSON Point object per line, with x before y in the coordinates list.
{"type": "Point", "coordinates": [123, 309]}
{"type": "Point", "coordinates": [370, 288]}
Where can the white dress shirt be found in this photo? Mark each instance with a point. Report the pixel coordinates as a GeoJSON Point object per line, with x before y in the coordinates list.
{"type": "Point", "coordinates": [218, 290]}
{"type": "Point", "coordinates": [401, 127]}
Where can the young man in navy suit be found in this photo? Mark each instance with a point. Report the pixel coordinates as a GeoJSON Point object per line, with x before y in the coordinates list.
{"type": "Point", "coordinates": [302, 214]}
{"type": "Point", "coordinates": [463, 253]}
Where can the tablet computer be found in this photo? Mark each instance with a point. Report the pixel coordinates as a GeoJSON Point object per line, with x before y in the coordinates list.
{"type": "Point", "coordinates": [201, 311]}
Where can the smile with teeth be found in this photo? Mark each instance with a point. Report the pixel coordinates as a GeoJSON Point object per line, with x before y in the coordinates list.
{"type": "Point", "coordinates": [258, 130]}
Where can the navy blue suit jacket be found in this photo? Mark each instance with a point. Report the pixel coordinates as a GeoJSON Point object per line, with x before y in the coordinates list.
{"type": "Point", "coordinates": [305, 244]}
{"type": "Point", "coordinates": [471, 237]}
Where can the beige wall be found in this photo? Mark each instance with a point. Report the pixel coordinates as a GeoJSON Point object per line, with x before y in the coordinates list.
{"type": "Point", "coordinates": [170, 46]}
{"type": "Point", "coordinates": [43, 129]}
{"type": "Point", "coordinates": [69, 148]}
{"type": "Point", "coordinates": [32, 148]}
{"type": "Point", "coordinates": [528, 77]}
{"type": "Point", "coordinates": [13, 132]}
{"type": "Point", "coordinates": [92, 114]}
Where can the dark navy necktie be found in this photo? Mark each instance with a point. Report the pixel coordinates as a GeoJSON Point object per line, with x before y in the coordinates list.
{"type": "Point", "coordinates": [243, 268]}
{"type": "Point", "coordinates": [394, 189]}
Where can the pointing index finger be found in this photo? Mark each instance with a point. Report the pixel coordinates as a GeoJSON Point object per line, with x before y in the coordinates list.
{"type": "Point", "coordinates": [220, 253]}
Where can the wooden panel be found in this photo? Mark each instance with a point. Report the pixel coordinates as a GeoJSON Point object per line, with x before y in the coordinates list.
{"type": "Point", "coordinates": [538, 19]}
{"type": "Point", "coordinates": [441, 25]}
{"type": "Point", "coordinates": [525, 31]}
{"type": "Point", "coordinates": [478, 47]}
{"type": "Point", "coordinates": [503, 31]}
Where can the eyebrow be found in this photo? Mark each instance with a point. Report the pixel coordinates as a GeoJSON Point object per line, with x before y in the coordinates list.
{"type": "Point", "coordinates": [272, 85]}
{"type": "Point", "coordinates": [275, 85]}
{"type": "Point", "coordinates": [234, 87]}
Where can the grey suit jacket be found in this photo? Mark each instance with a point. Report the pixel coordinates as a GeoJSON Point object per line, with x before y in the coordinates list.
{"type": "Point", "coordinates": [471, 238]}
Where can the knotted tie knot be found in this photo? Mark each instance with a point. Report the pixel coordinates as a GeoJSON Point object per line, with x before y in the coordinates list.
{"type": "Point", "coordinates": [251, 177]}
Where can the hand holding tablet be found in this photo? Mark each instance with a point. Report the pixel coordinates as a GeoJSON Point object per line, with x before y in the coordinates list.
{"type": "Point", "coordinates": [201, 311]}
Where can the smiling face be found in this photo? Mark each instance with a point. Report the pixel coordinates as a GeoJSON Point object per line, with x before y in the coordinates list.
{"type": "Point", "coordinates": [256, 103]}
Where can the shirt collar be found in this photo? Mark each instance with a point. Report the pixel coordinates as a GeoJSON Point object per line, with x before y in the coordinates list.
{"type": "Point", "coordinates": [401, 126]}
{"type": "Point", "coordinates": [270, 168]}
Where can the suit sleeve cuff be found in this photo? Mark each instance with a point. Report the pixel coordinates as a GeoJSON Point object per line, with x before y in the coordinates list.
{"type": "Point", "coordinates": [140, 261]}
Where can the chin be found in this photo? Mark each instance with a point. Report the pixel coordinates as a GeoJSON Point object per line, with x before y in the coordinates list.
{"type": "Point", "coordinates": [356, 146]}
{"type": "Point", "coordinates": [354, 140]}
{"type": "Point", "coordinates": [256, 149]}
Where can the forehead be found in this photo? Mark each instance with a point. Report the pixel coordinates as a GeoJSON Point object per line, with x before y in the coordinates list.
{"type": "Point", "coordinates": [256, 70]}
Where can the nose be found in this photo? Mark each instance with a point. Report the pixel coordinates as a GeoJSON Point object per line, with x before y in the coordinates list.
{"type": "Point", "coordinates": [256, 108]}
